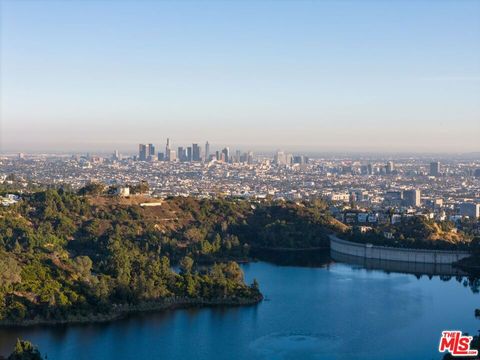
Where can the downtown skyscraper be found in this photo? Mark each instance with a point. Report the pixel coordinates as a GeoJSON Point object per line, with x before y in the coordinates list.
{"type": "Point", "coordinates": [207, 151]}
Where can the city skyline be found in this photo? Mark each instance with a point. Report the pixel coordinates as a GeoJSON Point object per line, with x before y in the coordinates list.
{"type": "Point", "coordinates": [131, 149]}
{"type": "Point", "coordinates": [323, 76]}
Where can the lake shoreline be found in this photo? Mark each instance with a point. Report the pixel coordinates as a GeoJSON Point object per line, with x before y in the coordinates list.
{"type": "Point", "coordinates": [261, 250]}
{"type": "Point", "coordinates": [469, 265]}
{"type": "Point", "coordinates": [285, 322]}
{"type": "Point", "coordinates": [286, 249]}
{"type": "Point", "coordinates": [122, 311]}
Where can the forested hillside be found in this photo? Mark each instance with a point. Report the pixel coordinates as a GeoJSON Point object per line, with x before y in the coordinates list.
{"type": "Point", "coordinates": [417, 232]}
{"type": "Point", "coordinates": [69, 257]}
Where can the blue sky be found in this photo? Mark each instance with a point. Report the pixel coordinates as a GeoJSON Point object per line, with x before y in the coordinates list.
{"type": "Point", "coordinates": [313, 75]}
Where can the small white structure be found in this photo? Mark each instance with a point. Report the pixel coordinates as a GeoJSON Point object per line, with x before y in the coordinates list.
{"type": "Point", "coordinates": [123, 191]}
{"type": "Point", "coordinates": [9, 199]}
{"type": "Point", "coordinates": [396, 218]}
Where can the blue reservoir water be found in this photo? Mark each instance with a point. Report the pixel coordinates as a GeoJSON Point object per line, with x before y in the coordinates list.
{"type": "Point", "coordinates": [335, 312]}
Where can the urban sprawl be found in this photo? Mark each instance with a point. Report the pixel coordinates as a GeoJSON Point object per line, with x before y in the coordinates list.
{"type": "Point", "coordinates": [363, 191]}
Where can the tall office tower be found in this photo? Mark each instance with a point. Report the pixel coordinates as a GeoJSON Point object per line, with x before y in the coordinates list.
{"type": "Point", "coordinates": [250, 158]}
{"type": "Point", "coordinates": [435, 168]}
{"type": "Point", "coordinates": [207, 151]}
{"type": "Point", "coordinates": [217, 155]}
{"type": "Point", "coordinates": [411, 197]}
{"type": "Point", "coordinates": [167, 150]}
{"type": "Point", "coordinates": [161, 156]}
{"type": "Point", "coordinates": [237, 156]}
{"type": "Point", "coordinates": [172, 156]}
{"type": "Point", "coordinates": [181, 154]}
{"type": "Point", "coordinates": [389, 168]}
{"type": "Point", "coordinates": [243, 158]}
{"type": "Point", "coordinates": [288, 159]}
{"type": "Point", "coordinates": [364, 170]}
{"type": "Point", "coordinates": [189, 153]}
{"type": "Point", "coordinates": [195, 152]}
{"type": "Point", "coordinates": [116, 155]}
{"type": "Point", "coordinates": [226, 153]}
{"type": "Point", "coordinates": [151, 150]}
{"type": "Point", "coordinates": [369, 169]}
{"type": "Point", "coordinates": [280, 158]}
{"type": "Point", "coordinates": [142, 152]}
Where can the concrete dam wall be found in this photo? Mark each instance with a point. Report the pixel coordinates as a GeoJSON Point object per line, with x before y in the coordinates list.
{"type": "Point", "coordinates": [399, 266]}
{"type": "Point", "coordinates": [369, 251]}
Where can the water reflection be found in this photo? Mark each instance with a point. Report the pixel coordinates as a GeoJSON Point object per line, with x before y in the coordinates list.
{"type": "Point", "coordinates": [398, 266]}
{"type": "Point", "coordinates": [325, 258]}
{"type": "Point", "coordinates": [444, 271]}
{"type": "Point", "coordinates": [301, 258]}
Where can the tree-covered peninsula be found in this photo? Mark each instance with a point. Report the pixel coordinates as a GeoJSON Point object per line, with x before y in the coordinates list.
{"type": "Point", "coordinates": [68, 256]}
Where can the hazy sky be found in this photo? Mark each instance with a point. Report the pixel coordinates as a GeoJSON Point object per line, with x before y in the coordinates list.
{"type": "Point", "coordinates": [325, 75]}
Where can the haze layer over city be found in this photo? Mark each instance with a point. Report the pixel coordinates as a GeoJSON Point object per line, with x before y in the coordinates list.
{"type": "Point", "coordinates": [320, 76]}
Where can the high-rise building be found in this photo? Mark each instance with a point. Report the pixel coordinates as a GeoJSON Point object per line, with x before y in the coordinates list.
{"type": "Point", "coordinates": [411, 197]}
{"type": "Point", "coordinates": [161, 156]}
{"type": "Point", "coordinates": [195, 152]}
{"type": "Point", "coordinates": [280, 158]}
{"type": "Point", "coordinates": [226, 154]}
{"type": "Point", "coordinates": [189, 153]}
{"type": "Point", "coordinates": [435, 168]}
{"type": "Point", "coordinates": [181, 154]}
{"type": "Point", "coordinates": [207, 151]}
{"type": "Point", "coordinates": [172, 156]}
{"type": "Point", "coordinates": [369, 169]}
{"type": "Point", "coordinates": [116, 155]}
{"type": "Point", "coordinates": [151, 150]}
{"type": "Point", "coordinates": [142, 152]}
{"type": "Point", "coordinates": [389, 168]}
{"type": "Point", "coordinates": [289, 159]}
{"type": "Point", "coordinates": [167, 150]}
{"type": "Point", "coordinates": [146, 152]}
{"type": "Point", "coordinates": [250, 158]}
{"type": "Point", "coordinates": [243, 158]}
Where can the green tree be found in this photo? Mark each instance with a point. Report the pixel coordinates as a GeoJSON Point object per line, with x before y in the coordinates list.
{"type": "Point", "coordinates": [93, 189]}
{"type": "Point", "coordinates": [186, 265]}
{"type": "Point", "coordinates": [83, 265]}
{"type": "Point", "coordinates": [9, 272]}
{"type": "Point", "coordinates": [24, 350]}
